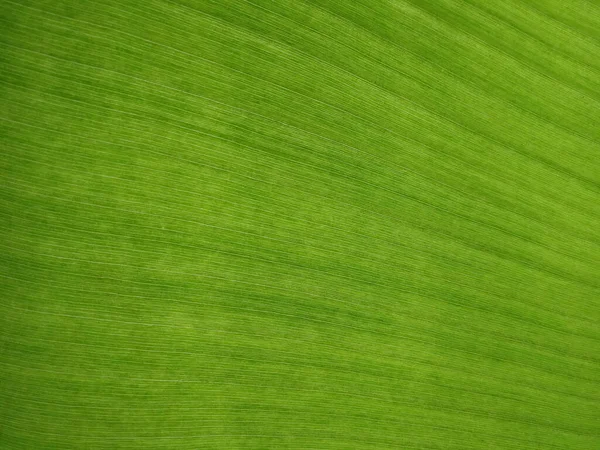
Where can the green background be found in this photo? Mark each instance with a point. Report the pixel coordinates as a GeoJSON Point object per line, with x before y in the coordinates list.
{"type": "Point", "coordinates": [321, 224]}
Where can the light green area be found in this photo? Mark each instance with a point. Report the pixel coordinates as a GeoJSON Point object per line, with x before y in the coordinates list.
{"type": "Point", "coordinates": [290, 224]}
